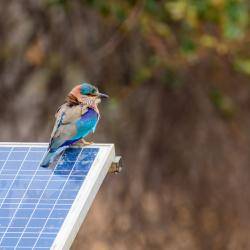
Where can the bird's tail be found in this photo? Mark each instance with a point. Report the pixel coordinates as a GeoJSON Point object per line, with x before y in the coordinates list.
{"type": "Point", "coordinates": [48, 159]}
{"type": "Point", "coordinates": [51, 156]}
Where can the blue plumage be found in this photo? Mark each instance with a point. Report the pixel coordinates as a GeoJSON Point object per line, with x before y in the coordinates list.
{"type": "Point", "coordinates": [75, 119]}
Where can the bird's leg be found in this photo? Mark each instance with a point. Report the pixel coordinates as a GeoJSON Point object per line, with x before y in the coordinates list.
{"type": "Point", "coordinates": [82, 143]}
{"type": "Point", "coordinates": [86, 142]}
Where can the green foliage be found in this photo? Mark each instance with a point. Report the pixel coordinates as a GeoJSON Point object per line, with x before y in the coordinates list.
{"type": "Point", "coordinates": [222, 103]}
{"type": "Point", "coordinates": [243, 65]}
{"type": "Point", "coordinates": [178, 33]}
{"type": "Point", "coordinates": [236, 19]}
{"type": "Point", "coordinates": [188, 46]}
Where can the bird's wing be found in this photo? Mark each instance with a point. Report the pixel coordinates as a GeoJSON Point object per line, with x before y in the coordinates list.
{"type": "Point", "coordinates": [64, 127]}
{"type": "Point", "coordinates": [59, 119]}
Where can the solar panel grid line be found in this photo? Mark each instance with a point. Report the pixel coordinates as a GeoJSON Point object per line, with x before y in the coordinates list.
{"type": "Point", "coordinates": [40, 208]}
{"type": "Point", "coordinates": [36, 204]}
{"type": "Point", "coordinates": [23, 194]}
{"type": "Point", "coordinates": [84, 198]}
{"type": "Point", "coordinates": [37, 189]}
{"type": "Point", "coordinates": [65, 190]}
{"type": "Point", "coordinates": [24, 144]}
{"type": "Point", "coordinates": [7, 195]}
{"type": "Point", "coordinates": [59, 194]}
{"type": "Point", "coordinates": [38, 145]}
{"type": "Point", "coordinates": [19, 160]}
{"type": "Point", "coordinates": [31, 233]}
{"type": "Point", "coordinates": [24, 230]}
{"type": "Point", "coordinates": [6, 160]}
{"type": "Point", "coordinates": [37, 248]}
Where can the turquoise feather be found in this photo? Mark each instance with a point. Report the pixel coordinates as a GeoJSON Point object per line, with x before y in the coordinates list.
{"type": "Point", "coordinates": [74, 120]}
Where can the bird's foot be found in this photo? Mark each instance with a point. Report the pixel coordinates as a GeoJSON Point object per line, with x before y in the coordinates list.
{"type": "Point", "coordinates": [87, 142]}
{"type": "Point", "coordinates": [82, 143]}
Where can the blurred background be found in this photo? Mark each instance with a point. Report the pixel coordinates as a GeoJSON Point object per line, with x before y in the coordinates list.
{"type": "Point", "coordinates": [178, 73]}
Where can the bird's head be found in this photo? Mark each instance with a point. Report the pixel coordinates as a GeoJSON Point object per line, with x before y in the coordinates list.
{"type": "Point", "coordinates": [87, 93]}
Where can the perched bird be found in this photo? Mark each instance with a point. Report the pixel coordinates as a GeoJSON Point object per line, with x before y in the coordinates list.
{"type": "Point", "coordinates": [75, 119]}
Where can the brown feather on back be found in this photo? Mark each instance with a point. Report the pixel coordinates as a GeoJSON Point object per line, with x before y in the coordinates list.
{"type": "Point", "coordinates": [72, 100]}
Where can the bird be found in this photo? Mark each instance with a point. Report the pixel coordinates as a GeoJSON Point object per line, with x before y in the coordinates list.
{"type": "Point", "coordinates": [75, 119]}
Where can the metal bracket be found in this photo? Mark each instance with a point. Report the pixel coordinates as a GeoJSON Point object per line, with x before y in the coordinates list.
{"type": "Point", "coordinates": [116, 166]}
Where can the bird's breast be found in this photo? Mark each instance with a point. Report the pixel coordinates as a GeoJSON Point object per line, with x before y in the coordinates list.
{"type": "Point", "coordinates": [87, 121]}
{"type": "Point", "coordinates": [91, 114]}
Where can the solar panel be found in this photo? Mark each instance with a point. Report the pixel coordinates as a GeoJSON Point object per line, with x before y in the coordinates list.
{"type": "Point", "coordinates": [43, 208]}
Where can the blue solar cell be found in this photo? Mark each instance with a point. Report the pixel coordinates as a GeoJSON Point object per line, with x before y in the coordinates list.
{"type": "Point", "coordinates": [33, 230]}
{"type": "Point", "coordinates": [62, 172]}
{"type": "Point", "coordinates": [1, 164]}
{"type": "Point", "coordinates": [11, 201]}
{"type": "Point", "coordinates": [7, 212]}
{"type": "Point", "coordinates": [21, 177]}
{"type": "Point", "coordinates": [22, 149]}
{"type": "Point", "coordinates": [65, 166]}
{"type": "Point", "coordinates": [4, 171]}
{"type": "Point", "coordinates": [9, 242]}
{"type": "Point", "coordinates": [77, 177]}
{"type": "Point", "coordinates": [38, 184]}
{"type": "Point", "coordinates": [50, 194]}
{"type": "Point", "coordinates": [59, 206]}
{"type": "Point", "coordinates": [9, 205]}
{"type": "Point", "coordinates": [19, 222]}
{"type": "Point", "coordinates": [40, 178]}
{"type": "Point", "coordinates": [35, 222]}
{"type": "Point", "coordinates": [72, 154]}
{"type": "Point", "coordinates": [54, 223]}
{"type": "Point", "coordinates": [27, 205]}
{"type": "Point", "coordinates": [80, 172]}
{"type": "Point", "coordinates": [56, 184]}
{"type": "Point", "coordinates": [4, 222]}
{"type": "Point", "coordinates": [41, 213]}
{"type": "Point", "coordinates": [12, 229]}
{"type": "Point", "coordinates": [23, 212]}
{"type": "Point", "coordinates": [25, 173]}
{"type": "Point", "coordinates": [39, 149]}
{"type": "Point", "coordinates": [35, 201]}
{"type": "Point", "coordinates": [13, 234]}
{"type": "Point", "coordinates": [47, 201]}
{"type": "Point", "coordinates": [45, 206]}
{"type": "Point", "coordinates": [44, 172]}
{"type": "Point", "coordinates": [3, 193]}
{"type": "Point", "coordinates": [17, 184]}
{"type": "Point", "coordinates": [30, 235]}
{"type": "Point", "coordinates": [35, 156]}
{"type": "Point", "coordinates": [59, 213]}
{"type": "Point", "coordinates": [5, 184]}
{"type": "Point", "coordinates": [15, 193]}
{"type": "Point", "coordinates": [48, 235]}
{"type": "Point", "coordinates": [8, 149]}
{"type": "Point", "coordinates": [29, 165]}
{"type": "Point", "coordinates": [33, 194]}
{"type": "Point", "coordinates": [6, 177]}
{"type": "Point", "coordinates": [73, 185]}
{"type": "Point", "coordinates": [27, 242]}
{"type": "Point", "coordinates": [68, 194]}
{"type": "Point", "coordinates": [44, 242]}
{"type": "Point", "coordinates": [12, 165]}
{"type": "Point", "coordinates": [17, 156]}
{"type": "Point", "coordinates": [4, 155]}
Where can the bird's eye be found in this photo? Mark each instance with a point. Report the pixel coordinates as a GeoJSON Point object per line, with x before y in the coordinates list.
{"type": "Point", "coordinates": [92, 92]}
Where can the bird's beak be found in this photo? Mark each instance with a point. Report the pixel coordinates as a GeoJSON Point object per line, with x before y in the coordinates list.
{"type": "Point", "coordinates": [102, 95]}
